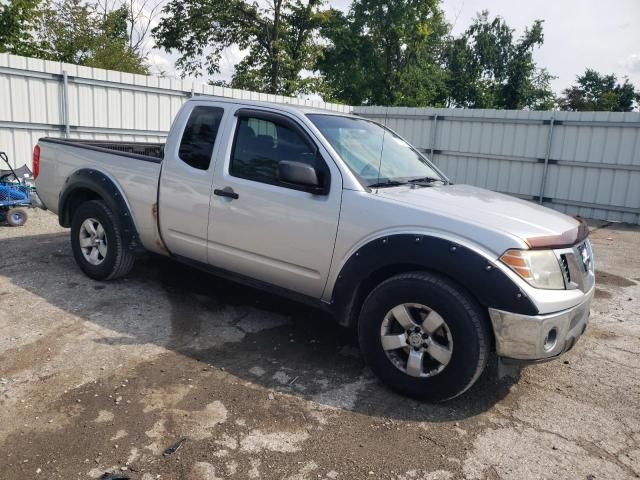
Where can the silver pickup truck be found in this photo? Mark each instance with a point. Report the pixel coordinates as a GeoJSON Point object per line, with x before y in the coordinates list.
{"type": "Point", "coordinates": [339, 212]}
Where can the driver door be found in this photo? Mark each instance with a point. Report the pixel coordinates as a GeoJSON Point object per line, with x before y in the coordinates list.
{"type": "Point", "coordinates": [262, 228]}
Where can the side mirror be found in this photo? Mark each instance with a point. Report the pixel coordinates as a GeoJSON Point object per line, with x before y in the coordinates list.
{"type": "Point", "coordinates": [298, 174]}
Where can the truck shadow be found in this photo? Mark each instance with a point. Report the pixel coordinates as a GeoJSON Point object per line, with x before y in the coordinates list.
{"type": "Point", "coordinates": [258, 337]}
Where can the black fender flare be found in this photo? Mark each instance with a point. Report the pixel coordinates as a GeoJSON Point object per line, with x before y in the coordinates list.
{"type": "Point", "coordinates": [390, 255]}
{"type": "Point", "coordinates": [101, 186]}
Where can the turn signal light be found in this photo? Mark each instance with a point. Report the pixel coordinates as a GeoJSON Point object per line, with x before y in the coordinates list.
{"type": "Point", "coordinates": [516, 260]}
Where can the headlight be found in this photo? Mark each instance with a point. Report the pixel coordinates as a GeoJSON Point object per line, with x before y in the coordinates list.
{"type": "Point", "coordinates": [540, 268]}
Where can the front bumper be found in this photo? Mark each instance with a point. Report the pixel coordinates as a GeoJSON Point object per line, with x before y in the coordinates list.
{"type": "Point", "coordinates": [539, 337]}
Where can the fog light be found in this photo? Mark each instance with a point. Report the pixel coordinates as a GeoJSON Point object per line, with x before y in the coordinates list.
{"type": "Point", "coordinates": [550, 339]}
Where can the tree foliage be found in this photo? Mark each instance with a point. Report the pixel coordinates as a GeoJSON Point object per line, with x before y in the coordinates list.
{"type": "Point", "coordinates": [140, 16]}
{"type": "Point", "coordinates": [487, 68]}
{"type": "Point", "coordinates": [71, 31]}
{"type": "Point", "coordinates": [279, 40]}
{"type": "Point", "coordinates": [598, 92]}
{"type": "Point", "coordinates": [384, 52]}
{"type": "Point", "coordinates": [19, 20]}
{"type": "Point", "coordinates": [76, 33]}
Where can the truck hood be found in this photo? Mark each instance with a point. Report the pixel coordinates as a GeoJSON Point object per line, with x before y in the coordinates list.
{"type": "Point", "coordinates": [536, 225]}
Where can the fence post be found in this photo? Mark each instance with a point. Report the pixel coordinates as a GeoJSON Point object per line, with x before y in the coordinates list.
{"type": "Point", "coordinates": [65, 103]}
{"type": "Point", "coordinates": [432, 142]}
{"type": "Point", "coordinates": [546, 160]}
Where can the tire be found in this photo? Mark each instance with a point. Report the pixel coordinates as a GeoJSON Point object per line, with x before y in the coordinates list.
{"type": "Point", "coordinates": [112, 260]}
{"type": "Point", "coordinates": [452, 326]}
{"type": "Point", "coordinates": [16, 217]}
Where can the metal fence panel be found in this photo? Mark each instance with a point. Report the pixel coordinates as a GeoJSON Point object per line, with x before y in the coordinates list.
{"type": "Point", "coordinates": [41, 98]}
{"type": "Point", "coordinates": [585, 164]}
{"type": "Point", "coordinates": [581, 163]}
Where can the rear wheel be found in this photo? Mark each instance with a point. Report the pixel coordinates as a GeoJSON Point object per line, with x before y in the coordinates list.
{"type": "Point", "coordinates": [16, 217]}
{"type": "Point", "coordinates": [97, 242]}
{"type": "Point", "coordinates": [424, 336]}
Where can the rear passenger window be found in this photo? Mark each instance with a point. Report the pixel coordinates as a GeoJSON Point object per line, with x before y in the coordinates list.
{"type": "Point", "coordinates": [260, 145]}
{"type": "Point", "coordinates": [199, 137]}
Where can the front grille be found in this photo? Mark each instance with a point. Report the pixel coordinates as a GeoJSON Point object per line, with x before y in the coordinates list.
{"type": "Point", "coordinates": [576, 264]}
{"type": "Point", "coordinates": [565, 269]}
{"type": "Point", "coordinates": [584, 254]}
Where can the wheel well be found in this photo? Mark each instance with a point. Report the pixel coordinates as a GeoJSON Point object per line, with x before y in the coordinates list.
{"type": "Point", "coordinates": [87, 184]}
{"type": "Point", "coordinates": [366, 286]}
{"type": "Point", "coordinates": [77, 198]}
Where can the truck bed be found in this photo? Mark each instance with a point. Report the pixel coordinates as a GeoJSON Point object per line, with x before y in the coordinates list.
{"type": "Point", "coordinates": [151, 151]}
{"type": "Point", "coordinates": [133, 167]}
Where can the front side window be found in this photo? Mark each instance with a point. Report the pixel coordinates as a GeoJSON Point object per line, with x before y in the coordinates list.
{"type": "Point", "coordinates": [261, 144]}
{"type": "Point", "coordinates": [199, 136]}
{"type": "Point", "coordinates": [376, 155]}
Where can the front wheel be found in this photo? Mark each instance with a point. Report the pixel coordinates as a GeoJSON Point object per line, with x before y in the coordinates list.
{"type": "Point", "coordinates": [424, 336]}
{"type": "Point", "coordinates": [97, 242]}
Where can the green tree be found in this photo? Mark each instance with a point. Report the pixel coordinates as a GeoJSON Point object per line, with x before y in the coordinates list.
{"type": "Point", "coordinates": [384, 53]}
{"type": "Point", "coordinates": [68, 31]}
{"type": "Point", "coordinates": [139, 15]}
{"type": "Point", "coordinates": [72, 31]}
{"type": "Point", "coordinates": [542, 96]}
{"type": "Point", "coordinates": [111, 46]}
{"type": "Point", "coordinates": [77, 33]}
{"type": "Point", "coordinates": [598, 92]}
{"type": "Point", "coordinates": [18, 22]}
{"type": "Point", "coordinates": [487, 68]}
{"type": "Point", "coordinates": [279, 40]}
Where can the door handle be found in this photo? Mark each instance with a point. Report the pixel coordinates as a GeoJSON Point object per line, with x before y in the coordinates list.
{"type": "Point", "coordinates": [226, 192]}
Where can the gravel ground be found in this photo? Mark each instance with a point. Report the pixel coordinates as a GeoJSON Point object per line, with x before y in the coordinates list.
{"type": "Point", "coordinates": [104, 376]}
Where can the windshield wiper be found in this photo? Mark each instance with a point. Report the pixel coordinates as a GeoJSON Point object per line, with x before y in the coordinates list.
{"type": "Point", "coordinates": [427, 180]}
{"type": "Point", "coordinates": [387, 183]}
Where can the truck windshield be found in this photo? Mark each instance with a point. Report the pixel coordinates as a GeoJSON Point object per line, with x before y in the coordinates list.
{"type": "Point", "coordinates": [376, 155]}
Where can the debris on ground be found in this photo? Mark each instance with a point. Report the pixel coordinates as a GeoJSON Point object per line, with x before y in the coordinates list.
{"type": "Point", "coordinates": [173, 448]}
{"type": "Point", "coordinates": [114, 476]}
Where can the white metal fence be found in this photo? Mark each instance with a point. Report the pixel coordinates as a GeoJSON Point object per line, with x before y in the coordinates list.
{"type": "Point", "coordinates": [41, 98]}
{"type": "Point", "coordinates": [585, 164]}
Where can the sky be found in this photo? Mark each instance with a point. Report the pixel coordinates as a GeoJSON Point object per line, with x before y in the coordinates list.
{"type": "Point", "coordinates": [599, 34]}
{"type": "Point", "coordinates": [603, 35]}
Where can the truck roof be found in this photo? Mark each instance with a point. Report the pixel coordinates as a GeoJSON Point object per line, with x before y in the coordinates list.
{"type": "Point", "coordinates": [280, 106]}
